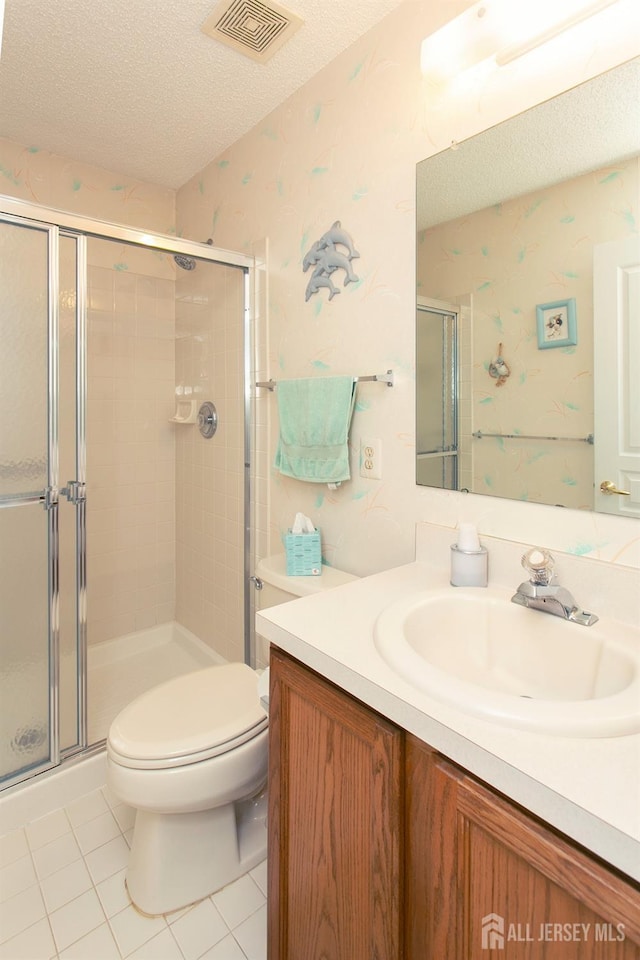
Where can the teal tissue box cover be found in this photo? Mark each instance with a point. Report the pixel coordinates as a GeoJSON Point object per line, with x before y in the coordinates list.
{"type": "Point", "coordinates": [304, 555]}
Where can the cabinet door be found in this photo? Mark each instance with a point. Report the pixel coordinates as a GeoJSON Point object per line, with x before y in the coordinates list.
{"type": "Point", "coordinates": [335, 807]}
{"type": "Point", "coordinates": [487, 880]}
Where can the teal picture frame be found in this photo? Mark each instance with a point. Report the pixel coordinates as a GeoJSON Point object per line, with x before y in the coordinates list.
{"type": "Point", "coordinates": [557, 324]}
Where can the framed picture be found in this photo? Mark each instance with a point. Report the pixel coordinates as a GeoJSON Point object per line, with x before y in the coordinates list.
{"type": "Point", "coordinates": [556, 324]}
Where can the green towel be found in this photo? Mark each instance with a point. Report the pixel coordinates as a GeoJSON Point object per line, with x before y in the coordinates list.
{"type": "Point", "coordinates": [315, 415]}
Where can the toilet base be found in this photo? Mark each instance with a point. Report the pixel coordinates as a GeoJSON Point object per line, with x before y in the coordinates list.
{"type": "Point", "coordinates": [177, 859]}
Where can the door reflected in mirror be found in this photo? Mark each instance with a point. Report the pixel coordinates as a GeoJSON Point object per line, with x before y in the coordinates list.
{"type": "Point", "coordinates": [527, 254]}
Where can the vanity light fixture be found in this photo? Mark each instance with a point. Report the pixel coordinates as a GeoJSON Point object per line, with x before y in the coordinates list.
{"type": "Point", "coordinates": [498, 32]}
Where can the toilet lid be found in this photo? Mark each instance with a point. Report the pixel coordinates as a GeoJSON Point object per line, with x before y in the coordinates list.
{"type": "Point", "coordinates": [192, 714]}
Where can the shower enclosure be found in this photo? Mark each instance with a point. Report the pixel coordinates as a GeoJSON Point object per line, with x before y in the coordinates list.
{"type": "Point", "coordinates": [123, 531]}
{"type": "Point", "coordinates": [436, 395]}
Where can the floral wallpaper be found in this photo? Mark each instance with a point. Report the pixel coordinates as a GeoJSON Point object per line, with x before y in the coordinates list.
{"type": "Point", "coordinates": [535, 249]}
{"type": "Point", "coordinates": [344, 147]}
{"type": "Point", "coordinates": [38, 176]}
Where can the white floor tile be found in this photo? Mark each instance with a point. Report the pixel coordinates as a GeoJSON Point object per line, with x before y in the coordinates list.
{"type": "Point", "coordinates": [76, 919]}
{"type": "Point", "coordinates": [131, 929]}
{"type": "Point", "coordinates": [86, 808]}
{"type": "Point", "coordinates": [56, 855]}
{"type": "Point", "coordinates": [65, 885]}
{"type": "Point", "coordinates": [13, 846]}
{"type": "Point", "coordinates": [97, 945]}
{"type": "Point", "coordinates": [227, 949]}
{"type": "Point", "coordinates": [52, 886]}
{"type": "Point", "coordinates": [199, 929]}
{"type": "Point", "coordinates": [19, 912]}
{"type": "Point", "coordinates": [252, 935]}
{"type": "Point", "coordinates": [107, 859]}
{"type": "Point", "coordinates": [35, 943]}
{"type": "Point", "coordinates": [125, 816]}
{"type": "Point", "coordinates": [259, 874]}
{"type": "Point", "coordinates": [238, 901]}
{"type": "Point", "coordinates": [16, 877]}
{"type": "Point", "coordinates": [95, 833]}
{"type": "Point", "coordinates": [113, 894]}
{"type": "Point", "coordinates": [46, 829]}
{"type": "Point", "coordinates": [161, 947]}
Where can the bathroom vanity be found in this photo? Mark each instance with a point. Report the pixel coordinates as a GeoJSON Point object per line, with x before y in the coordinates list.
{"type": "Point", "coordinates": [381, 847]}
{"type": "Point", "coordinates": [402, 826]}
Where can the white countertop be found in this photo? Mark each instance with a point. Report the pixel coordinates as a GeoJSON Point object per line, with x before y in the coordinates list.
{"type": "Point", "coordinates": [587, 788]}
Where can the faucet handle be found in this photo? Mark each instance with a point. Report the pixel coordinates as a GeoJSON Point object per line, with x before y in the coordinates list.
{"type": "Point", "coordinates": [539, 565]}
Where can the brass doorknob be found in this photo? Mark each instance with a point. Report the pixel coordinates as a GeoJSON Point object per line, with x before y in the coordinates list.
{"type": "Point", "coordinates": [609, 487]}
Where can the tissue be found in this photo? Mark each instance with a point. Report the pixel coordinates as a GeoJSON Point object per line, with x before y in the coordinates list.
{"type": "Point", "coordinates": [302, 524]}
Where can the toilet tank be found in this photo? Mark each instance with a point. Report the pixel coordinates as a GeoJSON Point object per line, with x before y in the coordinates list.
{"type": "Point", "coordinates": [278, 588]}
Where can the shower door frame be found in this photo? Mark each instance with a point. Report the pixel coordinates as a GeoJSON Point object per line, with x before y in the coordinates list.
{"type": "Point", "coordinates": [448, 453]}
{"type": "Point", "coordinates": [59, 223]}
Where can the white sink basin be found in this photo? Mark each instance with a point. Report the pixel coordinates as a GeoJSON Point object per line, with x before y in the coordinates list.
{"type": "Point", "coordinates": [479, 652]}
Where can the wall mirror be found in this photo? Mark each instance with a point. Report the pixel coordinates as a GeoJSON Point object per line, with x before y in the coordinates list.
{"type": "Point", "coordinates": [528, 304]}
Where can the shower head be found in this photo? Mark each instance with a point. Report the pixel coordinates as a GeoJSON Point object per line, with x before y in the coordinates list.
{"type": "Point", "coordinates": [188, 263]}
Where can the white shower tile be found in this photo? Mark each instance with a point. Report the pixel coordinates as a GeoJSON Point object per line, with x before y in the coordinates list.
{"type": "Point", "coordinates": [238, 901]}
{"type": "Point", "coordinates": [35, 943]}
{"type": "Point", "coordinates": [76, 918]}
{"type": "Point", "coordinates": [16, 877]}
{"type": "Point", "coordinates": [65, 885]}
{"type": "Point", "coordinates": [199, 929]}
{"type": "Point", "coordinates": [54, 856]}
{"type": "Point", "coordinates": [97, 945]}
{"type": "Point", "coordinates": [46, 829]}
{"type": "Point", "coordinates": [131, 929]}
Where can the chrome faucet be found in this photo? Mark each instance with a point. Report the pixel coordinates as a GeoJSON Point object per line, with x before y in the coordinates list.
{"type": "Point", "coordinates": [542, 592]}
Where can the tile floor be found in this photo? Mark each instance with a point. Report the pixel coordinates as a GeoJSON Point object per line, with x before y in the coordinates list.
{"type": "Point", "coordinates": [62, 895]}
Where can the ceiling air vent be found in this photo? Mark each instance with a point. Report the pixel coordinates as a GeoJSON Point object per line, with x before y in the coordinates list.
{"type": "Point", "coordinates": [252, 27]}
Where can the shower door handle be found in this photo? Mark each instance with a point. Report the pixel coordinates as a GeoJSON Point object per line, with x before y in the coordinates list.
{"type": "Point", "coordinates": [75, 492]}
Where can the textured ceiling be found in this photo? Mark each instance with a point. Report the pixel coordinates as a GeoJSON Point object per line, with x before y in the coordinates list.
{"type": "Point", "coordinates": [585, 129]}
{"type": "Point", "coordinates": [134, 86]}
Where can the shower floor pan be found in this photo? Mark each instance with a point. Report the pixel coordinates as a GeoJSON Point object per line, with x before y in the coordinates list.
{"type": "Point", "coordinates": [120, 670]}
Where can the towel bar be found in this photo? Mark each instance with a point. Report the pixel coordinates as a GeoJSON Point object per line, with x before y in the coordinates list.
{"type": "Point", "coordinates": [376, 377]}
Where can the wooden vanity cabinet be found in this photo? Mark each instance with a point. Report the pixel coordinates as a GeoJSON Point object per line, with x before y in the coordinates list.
{"type": "Point", "coordinates": [335, 818]}
{"type": "Point", "coordinates": [472, 853]}
{"type": "Point", "coordinates": [381, 849]}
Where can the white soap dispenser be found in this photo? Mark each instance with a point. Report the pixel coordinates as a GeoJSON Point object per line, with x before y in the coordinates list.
{"type": "Point", "coordinates": [469, 560]}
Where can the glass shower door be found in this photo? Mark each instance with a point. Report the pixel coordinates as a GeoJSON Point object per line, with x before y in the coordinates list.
{"type": "Point", "coordinates": [28, 498]}
{"type": "Point", "coordinates": [436, 397]}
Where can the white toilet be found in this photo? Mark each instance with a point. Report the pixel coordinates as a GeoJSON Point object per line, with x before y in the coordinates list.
{"type": "Point", "coordinates": [190, 756]}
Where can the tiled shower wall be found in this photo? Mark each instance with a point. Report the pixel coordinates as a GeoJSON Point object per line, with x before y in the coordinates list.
{"type": "Point", "coordinates": [210, 472]}
{"type": "Point", "coordinates": [130, 441]}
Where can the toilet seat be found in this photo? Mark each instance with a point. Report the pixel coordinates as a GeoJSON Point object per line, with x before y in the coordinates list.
{"type": "Point", "coordinates": [189, 719]}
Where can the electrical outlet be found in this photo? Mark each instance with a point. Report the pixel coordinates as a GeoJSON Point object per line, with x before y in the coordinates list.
{"type": "Point", "coordinates": [371, 459]}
